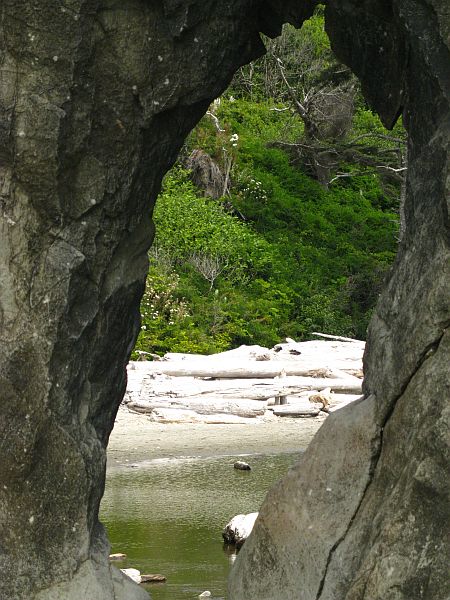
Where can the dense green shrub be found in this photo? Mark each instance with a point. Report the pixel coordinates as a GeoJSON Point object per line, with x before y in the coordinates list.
{"type": "Point", "coordinates": [281, 255]}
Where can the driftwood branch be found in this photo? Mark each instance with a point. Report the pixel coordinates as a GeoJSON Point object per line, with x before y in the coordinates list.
{"type": "Point", "coordinates": [339, 338]}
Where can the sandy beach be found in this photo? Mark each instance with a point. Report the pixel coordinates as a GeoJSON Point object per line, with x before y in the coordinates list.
{"type": "Point", "coordinates": [136, 439]}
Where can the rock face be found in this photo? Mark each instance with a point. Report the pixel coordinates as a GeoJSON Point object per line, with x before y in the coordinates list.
{"type": "Point", "coordinates": [95, 100]}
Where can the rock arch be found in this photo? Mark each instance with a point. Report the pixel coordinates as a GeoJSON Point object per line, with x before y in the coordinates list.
{"type": "Point", "coordinates": [95, 100]}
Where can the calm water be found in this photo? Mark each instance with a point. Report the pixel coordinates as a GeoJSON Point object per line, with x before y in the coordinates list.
{"type": "Point", "coordinates": [168, 516]}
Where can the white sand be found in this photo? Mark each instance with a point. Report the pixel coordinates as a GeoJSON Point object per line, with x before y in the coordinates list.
{"type": "Point", "coordinates": [136, 439]}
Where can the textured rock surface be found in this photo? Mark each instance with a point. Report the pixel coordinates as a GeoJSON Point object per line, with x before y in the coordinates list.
{"type": "Point", "coordinates": [95, 100]}
{"type": "Point", "coordinates": [305, 515]}
{"type": "Point", "coordinates": [378, 531]}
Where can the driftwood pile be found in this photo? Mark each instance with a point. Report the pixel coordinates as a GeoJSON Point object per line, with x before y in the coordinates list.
{"type": "Point", "coordinates": [296, 379]}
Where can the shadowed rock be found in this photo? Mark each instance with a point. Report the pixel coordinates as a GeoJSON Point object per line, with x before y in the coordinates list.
{"type": "Point", "coordinates": [96, 99]}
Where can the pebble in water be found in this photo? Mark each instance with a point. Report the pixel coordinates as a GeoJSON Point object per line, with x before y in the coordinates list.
{"type": "Point", "coordinates": [242, 466]}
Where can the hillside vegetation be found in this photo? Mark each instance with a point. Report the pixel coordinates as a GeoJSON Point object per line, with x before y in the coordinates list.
{"type": "Point", "coordinates": [281, 216]}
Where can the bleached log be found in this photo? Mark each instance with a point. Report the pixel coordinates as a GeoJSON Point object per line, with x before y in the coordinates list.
{"type": "Point", "coordinates": [305, 409]}
{"type": "Point", "coordinates": [252, 353]}
{"type": "Point", "coordinates": [343, 374]}
{"type": "Point", "coordinates": [256, 370]}
{"type": "Point", "coordinates": [338, 338]}
{"type": "Point", "coordinates": [177, 415]}
{"type": "Point", "coordinates": [254, 389]}
{"type": "Point", "coordinates": [301, 397]}
{"type": "Point", "coordinates": [189, 387]}
{"type": "Point", "coordinates": [203, 406]}
{"type": "Point", "coordinates": [219, 370]}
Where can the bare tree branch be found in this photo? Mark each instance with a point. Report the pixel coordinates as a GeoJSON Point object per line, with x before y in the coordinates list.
{"type": "Point", "coordinates": [216, 122]}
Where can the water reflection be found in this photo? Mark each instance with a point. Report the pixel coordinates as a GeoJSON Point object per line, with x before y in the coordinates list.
{"type": "Point", "coordinates": [168, 516]}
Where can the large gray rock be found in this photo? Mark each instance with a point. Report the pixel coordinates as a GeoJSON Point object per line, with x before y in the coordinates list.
{"type": "Point", "coordinates": [363, 514]}
{"type": "Point", "coordinates": [95, 100]}
{"type": "Point", "coordinates": [308, 512]}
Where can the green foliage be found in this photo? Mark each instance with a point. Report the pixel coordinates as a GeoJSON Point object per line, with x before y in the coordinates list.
{"type": "Point", "coordinates": [305, 53]}
{"type": "Point", "coordinates": [196, 230]}
{"type": "Point", "coordinates": [281, 255]}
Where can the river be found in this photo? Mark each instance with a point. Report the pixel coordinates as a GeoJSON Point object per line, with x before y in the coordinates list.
{"type": "Point", "coordinates": [167, 515]}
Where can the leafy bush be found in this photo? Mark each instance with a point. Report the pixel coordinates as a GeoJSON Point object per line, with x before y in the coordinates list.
{"type": "Point", "coordinates": [281, 255]}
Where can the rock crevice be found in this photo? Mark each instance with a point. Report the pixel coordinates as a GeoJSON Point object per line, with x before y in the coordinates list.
{"type": "Point", "coordinates": [378, 449]}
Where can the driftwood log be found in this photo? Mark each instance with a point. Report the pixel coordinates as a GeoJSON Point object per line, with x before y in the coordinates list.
{"type": "Point", "coordinates": [205, 406]}
{"type": "Point", "coordinates": [234, 370]}
{"type": "Point", "coordinates": [303, 408]}
{"type": "Point", "coordinates": [183, 415]}
{"type": "Point", "coordinates": [156, 578]}
{"type": "Point", "coordinates": [254, 389]}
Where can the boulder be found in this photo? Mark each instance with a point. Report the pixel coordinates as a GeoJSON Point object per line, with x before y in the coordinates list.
{"type": "Point", "coordinates": [240, 465]}
{"type": "Point", "coordinates": [106, 95]}
{"type": "Point", "coordinates": [239, 528]}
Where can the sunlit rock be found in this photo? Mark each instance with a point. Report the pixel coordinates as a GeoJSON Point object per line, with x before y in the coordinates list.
{"type": "Point", "coordinates": [239, 528]}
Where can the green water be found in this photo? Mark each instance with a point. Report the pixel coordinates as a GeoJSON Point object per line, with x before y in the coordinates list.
{"type": "Point", "coordinates": [167, 516]}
